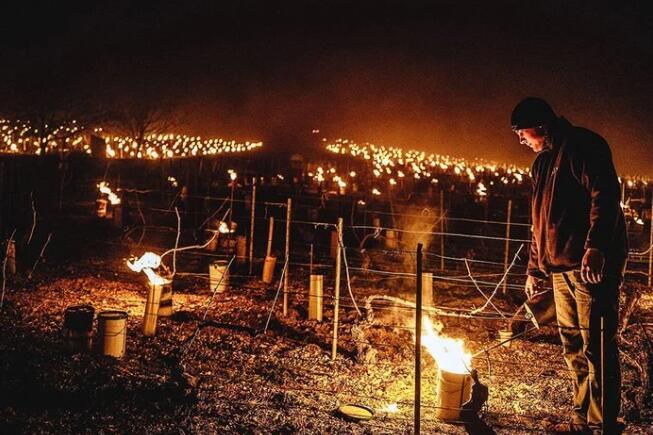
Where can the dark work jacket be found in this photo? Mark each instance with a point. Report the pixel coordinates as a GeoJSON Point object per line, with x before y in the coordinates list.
{"type": "Point", "coordinates": [575, 203]}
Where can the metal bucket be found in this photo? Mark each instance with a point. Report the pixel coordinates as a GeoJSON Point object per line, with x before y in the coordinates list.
{"type": "Point", "coordinates": [78, 327]}
{"type": "Point", "coordinates": [453, 390]}
{"type": "Point", "coordinates": [165, 303]}
{"type": "Point", "coordinates": [504, 337]}
{"type": "Point", "coordinates": [241, 249]}
{"type": "Point", "coordinates": [268, 269]}
{"type": "Point", "coordinates": [101, 207]}
{"type": "Point", "coordinates": [112, 332]}
{"type": "Point", "coordinates": [212, 237]}
{"type": "Point", "coordinates": [219, 276]}
{"type": "Point", "coordinates": [315, 297]}
{"type": "Point", "coordinates": [391, 239]}
{"type": "Point", "coordinates": [152, 309]}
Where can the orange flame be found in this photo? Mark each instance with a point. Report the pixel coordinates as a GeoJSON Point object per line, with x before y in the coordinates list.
{"type": "Point", "coordinates": [449, 353]}
{"type": "Point", "coordinates": [104, 188]}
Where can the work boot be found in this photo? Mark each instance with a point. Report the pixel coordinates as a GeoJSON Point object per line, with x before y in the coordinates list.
{"type": "Point", "coordinates": [617, 429]}
{"type": "Point", "coordinates": [571, 427]}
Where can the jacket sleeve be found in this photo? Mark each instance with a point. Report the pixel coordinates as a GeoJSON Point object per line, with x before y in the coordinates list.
{"type": "Point", "coordinates": [533, 268]}
{"type": "Point", "coordinates": [599, 177]}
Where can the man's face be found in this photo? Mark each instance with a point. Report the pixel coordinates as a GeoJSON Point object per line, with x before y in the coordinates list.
{"type": "Point", "coordinates": [532, 139]}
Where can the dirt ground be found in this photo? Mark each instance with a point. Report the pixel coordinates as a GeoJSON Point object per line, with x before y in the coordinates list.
{"type": "Point", "coordinates": [235, 378]}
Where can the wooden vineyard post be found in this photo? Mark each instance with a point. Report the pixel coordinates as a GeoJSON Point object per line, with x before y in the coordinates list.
{"type": "Point", "coordinates": [251, 226]}
{"type": "Point", "coordinates": [310, 264]}
{"type": "Point", "coordinates": [442, 230]}
{"type": "Point", "coordinates": [268, 250]}
{"type": "Point", "coordinates": [507, 247]}
{"type": "Point", "coordinates": [285, 275]}
{"type": "Point", "coordinates": [10, 256]}
{"type": "Point", "coordinates": [418, 339]}
{"type": "Point", "coordinates": [336, 305]}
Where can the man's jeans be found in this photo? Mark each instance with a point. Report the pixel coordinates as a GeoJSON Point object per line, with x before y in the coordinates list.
{"type": "Point", "coordinates": [580, 308]}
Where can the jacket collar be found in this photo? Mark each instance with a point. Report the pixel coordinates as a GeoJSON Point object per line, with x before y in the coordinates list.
{"type": "Point", "coordinates": [558, 131]}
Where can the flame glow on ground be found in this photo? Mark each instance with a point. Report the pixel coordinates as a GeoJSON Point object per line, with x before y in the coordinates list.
{"type": "Point", "coordinates": [448, 353]}
{"type": "Point", "coordinates": [391, 408]}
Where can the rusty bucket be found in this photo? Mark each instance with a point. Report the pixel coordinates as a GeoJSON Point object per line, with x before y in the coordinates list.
{"type": "Point", "coordinates": [78, 327]}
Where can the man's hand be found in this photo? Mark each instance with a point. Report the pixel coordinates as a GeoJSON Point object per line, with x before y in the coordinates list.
{"type": "Point", "coordinates": [591, 270]}
{"type": "Point", "coordinates": [532, 286]}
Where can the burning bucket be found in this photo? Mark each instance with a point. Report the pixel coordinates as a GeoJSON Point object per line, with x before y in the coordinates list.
{"type": "Point", "coordinates": [454, 380]}
{"type": "Point", "coordinates": [112, 332]}
{"type": "Point", "coordinates": [102, 207]}
{"type": "Point", "coordinates": [78, 327]}
{"type": "Point", "coordinates": [391, 239]}
{"type": "Point", "coordinates": [165, 303]}
{"type": "Point", "coordinates": [218, 276]}
{"type": "Point", "coordinates": [152, 309]}
{"type": "Point", "coordinates": [212, 236]}
{"type": "Point", "coordinates": [227, 242]}
{"type": "Point", "coordinates": [117, 215]}
{"type": "Point", "coordinates": [268, 269]}
{"type": "Point", "coordinates": [453, 389]}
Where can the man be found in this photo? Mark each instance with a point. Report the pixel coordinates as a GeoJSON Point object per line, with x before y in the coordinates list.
{"type": "Point", "coordinates": [579, 240]}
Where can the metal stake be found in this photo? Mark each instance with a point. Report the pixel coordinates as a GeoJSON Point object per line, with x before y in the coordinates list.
{"type": "Point", "coordinates": [285, 277]}
{"type": "Point", "coordinates": [251, 227]}
{"type": "Point", "coordinates": [418, 339]}
{"type": "Point", "coordinates": [336, 306]}
{"type": "Point", "coordinates": [507, 248]}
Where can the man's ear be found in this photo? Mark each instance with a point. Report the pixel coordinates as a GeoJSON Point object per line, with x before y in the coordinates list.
{"type": "Point", "coordinates": [541, 130]}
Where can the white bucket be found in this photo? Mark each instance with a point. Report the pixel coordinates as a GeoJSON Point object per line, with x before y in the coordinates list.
{"type": "Point", "coordinates": [112, 333]}
{"type": "Point", "coordinates": [504, 337]}
{"type": "Point", "coordinates": [453, 390]}
{"type": "Point", "coordinates": [219, 276]}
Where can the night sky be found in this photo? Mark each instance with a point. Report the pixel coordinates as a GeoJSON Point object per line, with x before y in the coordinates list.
{"type": "Point", "coordinates": [438, 76]}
